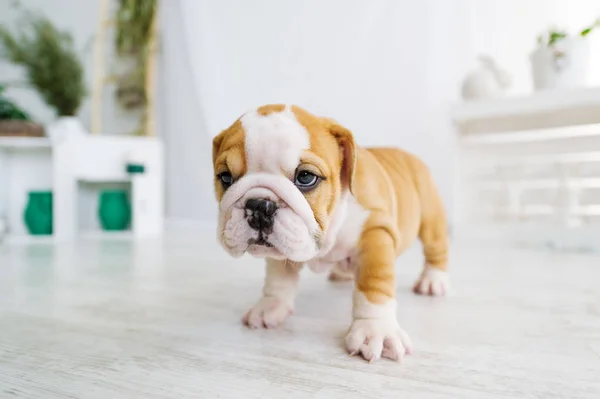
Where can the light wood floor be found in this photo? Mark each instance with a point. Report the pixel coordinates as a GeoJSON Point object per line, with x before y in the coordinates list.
{"type": "Point", "coordinates": [108, 319]}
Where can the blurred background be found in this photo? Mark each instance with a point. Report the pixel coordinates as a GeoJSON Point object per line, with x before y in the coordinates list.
{"type": "Point", "coordinates": [426, 75]}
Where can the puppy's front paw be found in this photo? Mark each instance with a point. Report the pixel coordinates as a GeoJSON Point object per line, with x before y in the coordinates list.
{"type": "Point", "coordinates": [269, 312]}
{"type": "Point", "coordinates": [376, 338]}
{"type": "Point", "coordinates": [432, 282]}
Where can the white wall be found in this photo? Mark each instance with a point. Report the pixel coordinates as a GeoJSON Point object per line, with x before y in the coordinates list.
{"type": "Point", "coordinates": [373, 68]}
{"type": "Point", "coordinates": [387, 69]}
{"type": "Point", "coordinates": [183, 124]}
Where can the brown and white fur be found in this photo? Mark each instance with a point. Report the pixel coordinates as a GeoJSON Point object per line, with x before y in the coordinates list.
{"type": "Point", "coordinates": [369, 206]}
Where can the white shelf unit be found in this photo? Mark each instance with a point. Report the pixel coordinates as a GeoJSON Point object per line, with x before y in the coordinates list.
{"type": "Point", "coordinates": [529, 169]}
{"type": "Point", "coordinates": [543, 110]}
{"type": "Point", "coordinates": [25, 165]}
{"type": "Point", "coordinates": [75, 168]}
{"type": "Point", "coordinates": [16, 143]}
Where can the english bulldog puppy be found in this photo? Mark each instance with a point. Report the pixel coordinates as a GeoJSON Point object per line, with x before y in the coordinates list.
{"type": "Point", "coordinates": [296, 189]}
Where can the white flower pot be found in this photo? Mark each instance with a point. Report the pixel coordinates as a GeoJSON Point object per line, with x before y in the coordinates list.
{"type": "Point", "coordinates": [562, 66]}
{"type": "Point", "coordinates": [65, 126]}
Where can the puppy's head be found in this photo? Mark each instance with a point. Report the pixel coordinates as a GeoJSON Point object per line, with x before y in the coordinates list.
{"type": "Point", "coordinates": [280, 173]}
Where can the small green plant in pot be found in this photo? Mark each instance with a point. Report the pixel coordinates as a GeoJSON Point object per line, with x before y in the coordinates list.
{"type": "Point", "coordinates": [9, 111]}
{"type": "Point", "coordinates": [560, 59]}
{"type": "Point", "coordinates": [14, 120]}
{"type": "Point", "coordinates": [52, 66]}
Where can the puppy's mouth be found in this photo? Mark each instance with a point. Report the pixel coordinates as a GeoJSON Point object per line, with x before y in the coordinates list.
{"type": "Point", "coordinates": [261, 247]}
{"type": "Point", "coordinates": [260, 241]}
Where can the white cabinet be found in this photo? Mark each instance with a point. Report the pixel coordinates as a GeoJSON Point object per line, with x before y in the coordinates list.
{"type": "Point", "coordinates": [75, 168]}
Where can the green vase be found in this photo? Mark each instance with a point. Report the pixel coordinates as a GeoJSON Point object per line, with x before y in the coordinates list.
{"type": "Point", "coordinates": [114, 210]}
{"type": "Point", "coordinates": [38, 213]}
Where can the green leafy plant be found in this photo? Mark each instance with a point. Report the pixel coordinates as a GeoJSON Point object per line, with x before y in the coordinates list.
{"type": "Point", "coordinates": [133, 46]}
{"type": "Point", "coordinates": [589, 29]}
{"type": "Point", "coordinates": [553, 36]}
{"type": "Point", "coordinates": [11, 111]}
{"type": "Point", "coordinates": [50, 61]}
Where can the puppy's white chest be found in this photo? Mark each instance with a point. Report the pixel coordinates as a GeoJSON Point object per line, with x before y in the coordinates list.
{"type": "Point", "coordinates": [342, 238]}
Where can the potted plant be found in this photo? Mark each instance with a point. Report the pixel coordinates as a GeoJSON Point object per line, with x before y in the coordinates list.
{"type": "Point", "coordinates": [561, 60]}
{"type": "Point", "coordinates": [14, 121]}
{"type": "Point", "coordinates": [9, 110]}
{"type": "Point", "coordinates": [52, 68]}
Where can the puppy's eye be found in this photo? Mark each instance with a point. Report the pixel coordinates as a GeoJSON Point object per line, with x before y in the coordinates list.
{"type": "Point", "coordinates": [305, 179]}
{"type": "Point", "coordinates": [225, 178]}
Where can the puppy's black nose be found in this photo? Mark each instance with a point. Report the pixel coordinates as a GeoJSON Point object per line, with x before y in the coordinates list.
{"type": "Point", "coordinates": [261, 213]}
{"type": "Point", "coordinates": [264, 206]}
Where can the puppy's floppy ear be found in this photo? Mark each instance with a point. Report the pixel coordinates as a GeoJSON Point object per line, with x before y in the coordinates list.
{"type": "Point", "coordinates": [216, 145]}
{"type": "Point", "coordinates": [347, 147]}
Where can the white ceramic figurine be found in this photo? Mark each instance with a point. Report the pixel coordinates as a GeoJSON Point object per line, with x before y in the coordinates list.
{"type": "Point", "coordinates": [487, 81]}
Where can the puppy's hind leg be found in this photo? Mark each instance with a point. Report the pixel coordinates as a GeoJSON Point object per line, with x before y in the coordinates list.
{"type": "Point", "coordinates": [342, 271]}
{"type": "Point", "coordinates": [433, 233]}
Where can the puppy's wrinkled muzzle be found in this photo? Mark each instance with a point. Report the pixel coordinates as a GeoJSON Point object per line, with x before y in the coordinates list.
{"type": "Point", "coordinates": [267, 215]}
